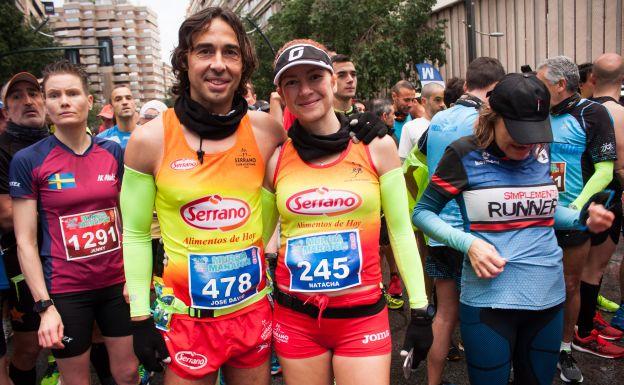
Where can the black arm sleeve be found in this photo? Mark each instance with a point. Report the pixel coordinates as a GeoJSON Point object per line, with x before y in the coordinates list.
{"type": "Point", "coordinates": [599, 133]}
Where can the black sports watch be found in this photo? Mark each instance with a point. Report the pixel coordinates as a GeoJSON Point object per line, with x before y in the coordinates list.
{"type": "Point", "coordinates": [42, 305]}
{"type": "Point", "coordinates": [425, 314]}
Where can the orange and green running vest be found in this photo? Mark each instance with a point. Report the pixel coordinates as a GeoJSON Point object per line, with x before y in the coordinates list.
{"type": "Point", "coordinates": [210, 220]}
{"type": "Point", "coordinates": [329, 221]}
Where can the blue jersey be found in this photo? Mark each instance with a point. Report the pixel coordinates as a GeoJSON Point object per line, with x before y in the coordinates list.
{"type": "Point", "coordinates": [116, 135]}
{"type": "Point", "coordinates": [511, 205]}
{"type": "Point", "coordinates": [582, 136]}
{"type": "Point", "coordinates": [398, 126]}
{"type": "Point", "coordinates": [446, 127]}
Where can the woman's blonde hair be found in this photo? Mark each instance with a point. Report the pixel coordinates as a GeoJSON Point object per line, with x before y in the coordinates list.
{"type": "Point", "coordinates": [484, 130]}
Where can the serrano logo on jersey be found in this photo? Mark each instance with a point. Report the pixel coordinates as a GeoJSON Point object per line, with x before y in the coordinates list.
{"type": "Point", "coordinates": [505, 208]}
{"type": "Point", "coordinates": [216, 212]}
{"type": "Point", "coordinates": [191, 359]}
{"type": "Point", "coordinates": [323, 201]}
{"type": "Point", "coordinates": [184, 164]}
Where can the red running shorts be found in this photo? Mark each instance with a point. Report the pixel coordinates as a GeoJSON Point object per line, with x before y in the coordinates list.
{"type": "Point", "coordinates": [199, 347]}
{"type": "Point", "coordinates": [297, 335]}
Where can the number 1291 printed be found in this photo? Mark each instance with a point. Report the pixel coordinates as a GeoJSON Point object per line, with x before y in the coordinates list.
{"type": "Point", "coordinates": [89, 234]}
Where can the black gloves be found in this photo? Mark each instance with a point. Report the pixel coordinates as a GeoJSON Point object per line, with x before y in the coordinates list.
{"type": "Point", "coordinates": [149, 345]}
{"type": "Point", "coordinates": [418, 336]}
{"type": "Point", "coordinates": [367, 126]}
{"type": "Point", "coordinates": [604, 198]}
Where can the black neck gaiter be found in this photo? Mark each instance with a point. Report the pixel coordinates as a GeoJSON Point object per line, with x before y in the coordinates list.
{"type": "Point", "coordinates": [206, 124]}
{"type": "Point", "coordinates": [25, 133]}
{"type": "Point", "coordinates": [311, 146]}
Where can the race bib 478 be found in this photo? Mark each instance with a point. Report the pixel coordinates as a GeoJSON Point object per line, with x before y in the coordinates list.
{"type": "Point", "coordinates": [218, 281]}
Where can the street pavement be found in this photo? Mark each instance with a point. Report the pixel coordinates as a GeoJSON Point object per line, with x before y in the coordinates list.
{"type": "Point", "coordinates": [597, 371]}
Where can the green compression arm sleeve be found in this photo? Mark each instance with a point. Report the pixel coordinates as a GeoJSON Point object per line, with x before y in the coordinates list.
{"type": "Point", "coordinates": [138, 191]}
{"type": "Point", "coordinates": [601, 178]}
{"type": "Point", "coordinates": [269, 215]}
{"type": "Point", "coordinates": [396, 209]}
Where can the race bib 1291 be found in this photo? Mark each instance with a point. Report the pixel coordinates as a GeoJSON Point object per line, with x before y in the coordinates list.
{"type": "Point", "coordinates": [324, 261]}
{"type": "Point", "coordinates": [218, 281]}
{"type": "Point", "coordinates": [89, 234]}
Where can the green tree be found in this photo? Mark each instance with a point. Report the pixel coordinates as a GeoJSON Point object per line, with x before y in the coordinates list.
{"type": "Point", "coordinates": [385, 38]}
{"type": "Point", "coordinates": [15, 34]}
{"type": "Point", "coordinates": [93, 121]}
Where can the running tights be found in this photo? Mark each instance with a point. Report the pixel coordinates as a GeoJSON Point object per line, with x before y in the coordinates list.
{"type": "Point", "coordinates": [495, 339]}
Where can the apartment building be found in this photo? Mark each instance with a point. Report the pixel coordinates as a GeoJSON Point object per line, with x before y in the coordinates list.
{"type": "Point", "coordinates": [32, 9]}
{"type": "Point", "coordinates": [258, 10]}
{"type": "Point", "coordinates": [168, 78]}
{"type": "Point", "coordinates": [136, 44]}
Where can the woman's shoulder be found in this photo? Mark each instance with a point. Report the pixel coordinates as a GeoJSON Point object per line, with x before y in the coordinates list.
{"type": "Point", "coordinates": [384, 154]}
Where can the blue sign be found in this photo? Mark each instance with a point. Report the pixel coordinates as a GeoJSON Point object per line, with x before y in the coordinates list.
{"type": "Point", "coordinates": [219, 281]}
{"type": "Point", "coordinates": [324, 262]}
{"type": "Point", "coordinates": [428, 74]}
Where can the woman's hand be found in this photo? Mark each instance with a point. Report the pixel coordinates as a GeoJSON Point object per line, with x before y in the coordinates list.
{"type": "Point", "coordinates": [485, 260]}
{"type": "Point", "coordinates": [51, 329]}
{"type": "Point", "coordinates": [599, 219]}
{"type": "Point", "coordinates": [276, 98]}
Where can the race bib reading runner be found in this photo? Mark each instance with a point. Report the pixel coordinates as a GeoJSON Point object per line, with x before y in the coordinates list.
{"type": "Point", "coordinates": [89, 234]}
{"type": "Point", "coordinates": [222, 280]}
{"type": "Point", "coordinates": [324, 261]}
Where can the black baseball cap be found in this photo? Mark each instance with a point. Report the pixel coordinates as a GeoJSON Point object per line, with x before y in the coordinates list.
{"type": "Point", "coordinates": [524, 103]}
{"type": "Point", "coordinates": [299, 54]}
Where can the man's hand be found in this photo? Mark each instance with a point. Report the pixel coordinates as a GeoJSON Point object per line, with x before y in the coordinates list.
{"type": "Point", "coordinates": [485, 260]}
{"type": "Point", "coordinates": [51, 329]}
{"type": "Point", "coordinates": [418, 339]}
{"type": "Point", "coordinates": [149, 345]}
{"type": "Point", "coordinates": [599, 218]}
{"type": "Point", "coordinates": [367, 126]}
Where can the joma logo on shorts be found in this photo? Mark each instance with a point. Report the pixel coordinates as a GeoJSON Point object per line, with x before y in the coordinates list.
{"type": "Point", "coordinates": [191, 360]}
{"type": "Point", "coordinates": [376, 337]}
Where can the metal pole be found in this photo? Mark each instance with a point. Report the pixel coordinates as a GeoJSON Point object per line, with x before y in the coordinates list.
{"type": "Point", "coordinates": [61, 48]}
{"type": "Point", "coordinates": [470, 30]}
{"type": "Point", "coordinates": [266, 39]}
{"type": "Point", "coordinates": [107, 82]}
